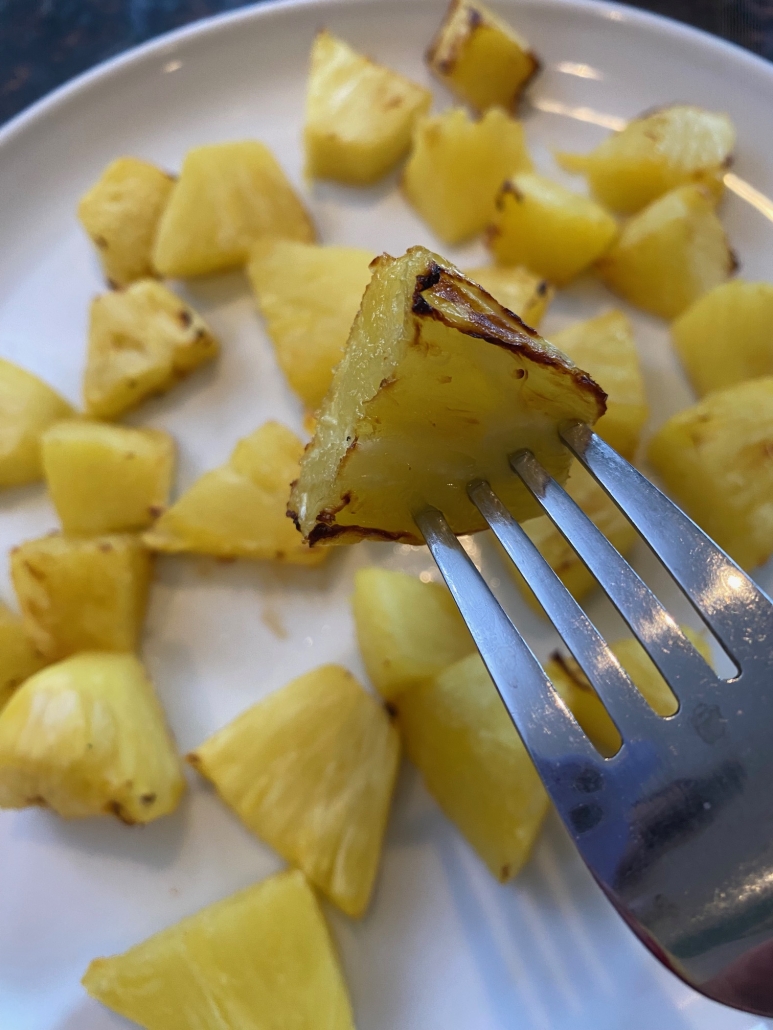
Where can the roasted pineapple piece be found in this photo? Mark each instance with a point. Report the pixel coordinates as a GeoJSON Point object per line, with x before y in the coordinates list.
{"type": "Point", "coordinates": [261, 959]}
{"type": "Point", "coordinates": [104, 478]}
{"type": "Point", "coordinates": [359, 115]}
{"type": "Point", "coordinates": [457, 731]}
{"type": "Point", "coordinates": [309, 296]}
{"type": "Point", "coordinates": [604, 346]}
{"type": "Point", "coordinates": [671, 147]}
{"type": "Point", "coordinates": [240, 509]}
{"type": "Point", "coordinates": [716, 458]}
{"type": "Point", "coordinates": [311, 770]}
{"type": "Point", "coordinates": [87, 736]}
{"type": "Point", "coordinates": [228, 196]}
{"type": "Point", "coordinates": [552, 231]}
{"type": "Point", "coordinates": [121, 212]}
{"type": "Point", "coordinates": [19, 658]}
{"type": "Point", "coordinates": [82, 594]}
{"type": "Point", "coordinates": [480, 57]}
{"type": "Point", "coordinates": [142, 341]}
{"type": "Point", "coordinates": [670, 253]}
{"type": "Point", "coordinates": [438, 385]}
{"type": "Point", "coordinates": [456, 167]}
{"type": "Point", "coordinates": [726, 337]}
{"type": "Point", "coordinates": [408, 631]}
{"type": "Point", "coordinates": [517, 289]}
{"type": "Point", "coordinates": [27, 407]}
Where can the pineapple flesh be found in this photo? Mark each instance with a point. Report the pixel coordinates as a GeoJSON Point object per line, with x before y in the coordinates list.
{"type": "Point", "coordinates": [438, 385]}
{"type": "Point", "coordinates": [456, 166]}
{"type": "Point", "coordinates": [82, 594]}
{"type": "Point", "coordinates": [457, 731]}
{"type": "Point", "coordinates": [359, 115]}
{"type": "Point", "coordinates": [105, 478]}
{"type": "Point", "coordinates": [142, 340]}
{"type": "Point", "coordinates": [86, 737]}
{"type": "Point", "coordinates": [27, 408]}
{"type": "Point", "coordinates": [525, 294]}
{"type": "Point", "coordinates": [480, 57]}
{"type": "Point", "coordinates": [240, 509]}
{"type": "Point", "coordinates": [407, 631]}
{"type": "Point", "coordinates": [311, 770]}
{"type": "Point", "coordinates": [228, 196]}
{"type": "Point", "coordinates": [121, 213]}
{"type": "Point", "coordinates": [261, 959]}
{"type": "Point", "coordinates": [19, 658]}
{"type": "Point", "coordinates": [308, 296]}
{"type": "Point", "coordinates": [716, 458]}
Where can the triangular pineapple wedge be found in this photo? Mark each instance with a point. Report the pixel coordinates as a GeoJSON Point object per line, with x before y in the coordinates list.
{"type": "Point", "coordinates": [261, 959]}
{"type": "Point", "coordinates": [19, 658]}
{"type": "Point", "coordinates": [27, 407]}
{"type": "Point", "coordinates": [438, 385]}
{"type": "Point", "coordinates": [88, 737]}
{"type": "Point", "coordinates": [311, 770]}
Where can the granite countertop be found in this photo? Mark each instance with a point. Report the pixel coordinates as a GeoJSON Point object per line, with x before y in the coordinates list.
{"type": "Point", "coordinates": [45, 42]}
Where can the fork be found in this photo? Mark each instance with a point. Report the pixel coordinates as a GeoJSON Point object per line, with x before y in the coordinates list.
{"type": "Point", "coordinates": [677, 826]}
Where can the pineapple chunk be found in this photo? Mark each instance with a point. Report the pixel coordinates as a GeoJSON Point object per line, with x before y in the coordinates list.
{"type": "Point", "coordinates": [87, 736]}
{"type": "Point", "coordinates": [107, 479]}
{"type": "Point", "coordinates": [27, 407]}
{"type": "Point", "coordinates": [359, 115]}
{"type": "Point", "coordinates": [121, 213]}
{"type": "Point", "coordinates": [542, 225]}
{"type": "Point", "coordinates": [655, 153]}
{"type": "Point", "coordinates": [261, 959]}
{"type": "Point", "coordinates": [142, 341]}
{"type": "Point", "coordinates": [517, 289]}
{"type": "Point", "coordinates": [456, 167]}
{"type": "Point", "coordinates": [82, 594]}
{"type": "Point", "coordinates": [240, 509]}
{"type": "Point", "coordinates": [604, 346]}
{"type": "Point", "coordinates": [408, 631]}
{"type": "Point", "coordinates": [438, 385]}
{"type": "Point", "coordinates": [725, 336]}
{"type": "Point", "coordinates": [228, 196]}
{"type": "Point", "coordinates": [309, 296]}
{"type": "Point", "coordinates": [480, 57]}
{"type": "Point", "coordinates": [716, 458]}
{"type": "Point", "coordinates": [311, 770]}
{"type": "Point", "coordinates": [670, 253]}
{"type": "Point", "coordinates": [457, 731]}
{"type": "Point", "coordinates": [19, 658]}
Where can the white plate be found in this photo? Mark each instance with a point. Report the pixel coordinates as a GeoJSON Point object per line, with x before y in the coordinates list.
{"type": "Point", "coordinates": [443, 946]}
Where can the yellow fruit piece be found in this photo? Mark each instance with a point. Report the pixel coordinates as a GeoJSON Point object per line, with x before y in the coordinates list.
{"type": "Point", "coordinates": [725, 337]}
{"type": "Point", "coordinates": [655, 153]}
{"type": "Point", "coordinates": [311, 770]}
{"type": "Point", "coordinates": [27, 407]}
{"type": "Point", "coordinates": [359, 114]}
{"type": "Point", "coordinates": [716, 458]}
{"type": "Point", "coordinates": [457, 731]}
{"type": "Point", "coordinates": [261, 959]}
{"type": "Point", "coordinates": [554, 232]}
{"type": "Point", "coordinates": [517, 289]}
{"type": "Point", "coordinates": [456, 166]}
{"type": "Point", "coordinates": [79, 594]}
{"type": "Point", "coordinates": [121, 212]}
{"type": "Point", "coordinates": [670, 253]}
{"type": "Point", "coordinates": [142, 341]}
{"type": "Point", "coordinates": [480, 57]}
{"type": "Point", "coordinates": [408, 631]}
{"type": "Point", "coordinates": [19, 658]}
{"type": "Point", "coordinates": [240, 509]}
{"type": "Point", "coordinates": [438, 385]}
{"type": "Point", "coordinates": [573, 687]}
{"type": "Point", "coordinates": [104, 478]}
{"type": "Point", "coordinates": [308, 296]}
{"type": "Point", "coordinates": [228, 196]}
{"type": "Point", "coordinates": [88, 736]}
{"type": "Point", "coordinates": [605, 347]}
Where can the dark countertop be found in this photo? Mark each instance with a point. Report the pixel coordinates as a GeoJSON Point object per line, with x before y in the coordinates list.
{"type": "Point", "coordinates": [45, 42]}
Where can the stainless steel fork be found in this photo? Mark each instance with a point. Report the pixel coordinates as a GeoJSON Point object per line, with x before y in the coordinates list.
{"type": "Point", "coordinates": [677, 827]}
